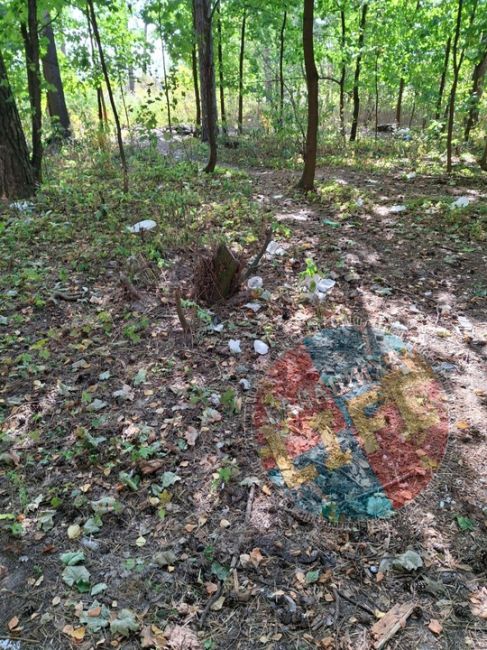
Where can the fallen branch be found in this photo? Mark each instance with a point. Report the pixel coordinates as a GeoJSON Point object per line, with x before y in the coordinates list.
{"type": "Point", "coordinates": [254, 265]}
{"type": "Point", "coordinates": [179, 310]}
{"type": "Point", "coordinates": [395, 619]}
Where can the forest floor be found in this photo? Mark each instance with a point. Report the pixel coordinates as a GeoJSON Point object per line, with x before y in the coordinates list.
{"type": "Point", "coordinates": [135, 510]}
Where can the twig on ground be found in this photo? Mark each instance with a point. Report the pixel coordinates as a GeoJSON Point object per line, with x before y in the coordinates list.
{"type": "Point", "coordinates": [255, 263]}
{"type": "Point", "coordinates": [354, 602]}
{"type": "Point", "coordinates": [180, 312]}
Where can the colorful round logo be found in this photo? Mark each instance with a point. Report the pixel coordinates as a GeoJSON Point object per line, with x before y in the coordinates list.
{"type": "Point", "coordinates": [352, 424]}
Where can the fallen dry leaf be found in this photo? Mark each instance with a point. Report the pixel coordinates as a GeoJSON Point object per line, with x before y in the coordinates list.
{"type": "Point", "coordinates": [181, 638]}
{"type": "Point", "coordinates": [77, 633]}
{"type": "Point", "coordinates": [435, 626]}
{"type": "Point", "coordinates": [13, 623]}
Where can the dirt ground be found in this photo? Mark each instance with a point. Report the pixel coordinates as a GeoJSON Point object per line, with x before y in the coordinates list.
{"type": "Point", "coordinates": [201, 548]}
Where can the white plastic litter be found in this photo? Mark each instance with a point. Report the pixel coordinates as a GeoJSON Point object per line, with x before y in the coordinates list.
{"type": "Point", "coordinates": [461, 202]}
{"type": "Point", "coordinates": [22, 206]}
{"type": "Point", "coordinates": [359, 202]}
{"type": "Point", "coordinates": [325, 285]}
{"type": "Point", "coordinates": [465, 323]}
{"type": "Point", "coordinates": [253, 306]}
{"type": "Point", "coordinates": [274, 248]}
{"type": "Point", "coordinates": [146, 224]}
{"type": "Point", "coordinates": [397, 208]}
{"type": "Point", "coordinates": [411, 175]}
{"type": "Point", "coordinates": [255, 282]}
{"type": "Point", "coordinates": [260, 347]}
{"type": "Point", "coordinates": [245, 383]}
{"type": "Point", "coordinates": [234, 345]}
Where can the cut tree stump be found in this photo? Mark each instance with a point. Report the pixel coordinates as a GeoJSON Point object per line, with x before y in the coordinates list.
{"type": "Point", "coordinates": [217, 276]}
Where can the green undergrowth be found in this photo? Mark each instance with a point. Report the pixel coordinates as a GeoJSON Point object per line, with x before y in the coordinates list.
{"type": "Point", "coordinates": [78, 222]}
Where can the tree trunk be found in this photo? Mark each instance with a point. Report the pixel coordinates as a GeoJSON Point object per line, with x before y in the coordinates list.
{"type": "Point", "coordinates": [483, 160]}
{"type": "Point", "coordinates": [281, 70]}
{"type": "Point", "coordinates": [104, 68]}
{"type": "Point", "coordinates": [194, 62]}
{"type": "Point", "coordinates": [166, 85]}
{"type": "Point", "coordinates": [207, 77]}
{"type": "Point", "coordinates": [240, 72]}
{"type": "Point", "coordinates": [399, 102]}
{"type": "Point", "coordinates": [376, 79]}
{"type": "Point", "coordinates": [220, 74]}
{"type": "Point", "coordinates": [31, 44]}
{"type": "Point", "coordinates": [56, 101]}
{"type": "Point", "coordinates": [16, 173]}
{"type": "Point", "coordinates": [444, 72]}
{"type": "Point", "coordinates": [356, 96]}
{"type": "Point", "coordinates": [476, 93]}
{"type": "Point", "coordinates": [456, 70]}
{"type": "Point", "coordinates": [308, 177]}
{"type": "Point", "coordinates": [343, 74]}
{"type": "Point", "coordinates": [413, 110]}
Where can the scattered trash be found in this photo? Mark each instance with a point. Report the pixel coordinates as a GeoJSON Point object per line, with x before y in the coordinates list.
{"type": "Point", "coordinates": [253, 306]}
{"type": "Point", "coordinates": [3, 320]}
{"type": "Point", "coordinates": [319, 288]}
{"type": "Point", "coordinates": [461, 202]}
{"type": "Point", "coordinates": [410, 176]}
{"type": "Point", "coordinates": [255, 282]}
{"type": "Point", "coordinates": [245, 383]}
{"type": "Point", "coordinates": [329, 222]}
{"type": "Point", "coordinates": [398, 326]}
{"type": "Point", "coordinates": [397, 208]}
{"type": "Point", "coordinates": [465, 323]}
{"type": "Point", "coordinates": [359, 202]}
{"type": "Point", "coordinates": [260, 347]}
{"type": "Point", "coordinates": [234, 345]}
{"type": "Point", "coordinates": [22, 206]}
{"type": "Point", "coordinates": [274, 248]}
{"type": "Point", "coordinates": [141, 226]}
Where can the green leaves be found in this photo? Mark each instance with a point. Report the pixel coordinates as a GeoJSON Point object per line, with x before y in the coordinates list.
{"type": "Point", "coordinates": [124, 623]}
{"type": "Point", "coordinates": [77, 576]}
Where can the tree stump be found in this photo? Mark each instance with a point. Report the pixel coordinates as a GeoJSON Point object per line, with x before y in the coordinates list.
{"type": "Point", "coordinates": [217, 277]}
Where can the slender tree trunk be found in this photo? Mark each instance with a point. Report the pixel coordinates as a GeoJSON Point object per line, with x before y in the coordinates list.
{"type": "Point", "coordinates": [399, 102]}
{"type": "Point", "coordinates": [194, 62]}
{"type": "Point", "coordinates": [483, 160]}
{"type": "Point", "coordinates": [102, 109]}
{"type": "Point", "coordinates": [96, 35]}
{"type": "Point", "coordinates": [356, 96]}
{"type": "Point", "coordinates": [166, 85]}
{"type": "Point", "coordinates": [220, 74]}
{"type": "Point", "coordinates": [376, 79]}
{"type": "Point", "coordinates": [308, 178]}
{"type": "Point", "coordinates": [456, 70]}
{"type": "Point", "coordinates": [16, 173]}
{"type": "Point", "coordinates": [444, 72]}
{"type": "Point", "coordinates": [413, 110]}
{"type": "Point", "coordinates": [343, 73]}
{"type": "Point", "coordinates": [131, 77]}
{"type": "Point", "coordinates": [31, 44]}
{"type": "Point", "coordinates": [476, 93]}
{"type": "Point", "coordinates": [281, 69]}
{"type": "Point", "coordinates": [207, 77]}
{"type": "Point", "coordinates": [240, 72]}
{"type": "Point", "coordinates": [56, 101]}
